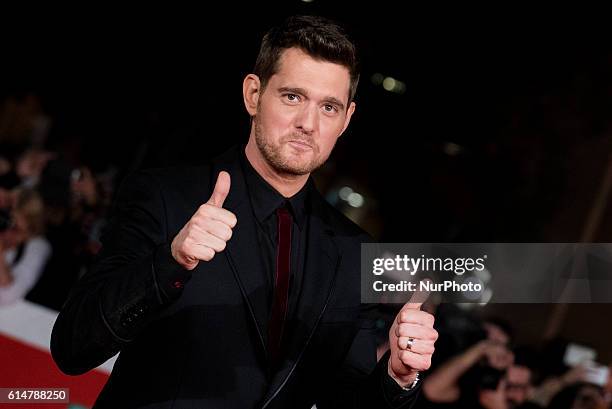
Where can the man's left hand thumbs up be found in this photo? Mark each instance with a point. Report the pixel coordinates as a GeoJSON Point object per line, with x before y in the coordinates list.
{"type": "Point", "coordinates": [411, 339]}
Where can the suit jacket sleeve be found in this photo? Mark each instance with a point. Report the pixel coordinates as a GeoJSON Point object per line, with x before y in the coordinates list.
{"type": "Point", "coordinates": [132, 280]}
{"type": "Point", "coordinates": [361, 382]}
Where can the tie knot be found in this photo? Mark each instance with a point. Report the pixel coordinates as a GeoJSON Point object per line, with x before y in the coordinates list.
{"type": "Point", "coordinates": [283, 212]}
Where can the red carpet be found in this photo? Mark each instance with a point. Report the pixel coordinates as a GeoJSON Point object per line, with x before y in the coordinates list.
{"type": "Point", "coordinates": [23, 366]}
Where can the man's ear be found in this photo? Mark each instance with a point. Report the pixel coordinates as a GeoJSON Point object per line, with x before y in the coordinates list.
{"type": "Point", "coordinates": [251, 87]}
{"type": "Point", "coordinates": [349, 114]}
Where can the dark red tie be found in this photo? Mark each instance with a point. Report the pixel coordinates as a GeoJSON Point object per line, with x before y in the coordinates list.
{"type": "Point", "coordinates": [281, 284]}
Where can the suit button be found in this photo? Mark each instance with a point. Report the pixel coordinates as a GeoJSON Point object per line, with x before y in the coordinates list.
{"type": "Point", "coordinates": [177, 284]}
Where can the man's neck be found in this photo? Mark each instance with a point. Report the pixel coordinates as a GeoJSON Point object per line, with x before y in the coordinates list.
{"type": "Point", "coordinates": [285, 184]}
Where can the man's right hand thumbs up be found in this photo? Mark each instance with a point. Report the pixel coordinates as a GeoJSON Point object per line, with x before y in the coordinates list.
{"type": "Point", "coordinates": [222, 188]}
{"type": "Point", "coordinates": [208, 230]}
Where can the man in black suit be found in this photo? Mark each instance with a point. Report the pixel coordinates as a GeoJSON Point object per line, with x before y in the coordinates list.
{"type": "Point", "coordinates": [234, 284]}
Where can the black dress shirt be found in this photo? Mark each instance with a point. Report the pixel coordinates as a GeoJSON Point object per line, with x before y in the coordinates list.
{"type": "Point", "coordinates": [264, 202]}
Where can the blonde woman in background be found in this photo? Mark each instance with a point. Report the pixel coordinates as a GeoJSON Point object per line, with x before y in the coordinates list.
{"type": "Point", "coordinates": [23, 249]}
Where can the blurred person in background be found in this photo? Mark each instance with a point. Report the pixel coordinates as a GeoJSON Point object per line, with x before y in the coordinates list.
{"type": "Point", "coordinates": [579, 396]}
{"type": "Point", "coordinates": [473, 377]}
{"type": "Point", "coordinates": [75, 210]}
{"type": "Point", "coordinates": [29, 166]}
{"type": "Point", "coordinates": [23, 249]}
{"type": "Point", "coordinates": [24, 123]}
{"type": "Point", "coordinates": [572, 389]}
{"type": "Point", "coordinates": [518, 382]}
{"type": "Point", "coordinates": [513, 391]}
{"type": "Point", "coordinates": [24, 127]}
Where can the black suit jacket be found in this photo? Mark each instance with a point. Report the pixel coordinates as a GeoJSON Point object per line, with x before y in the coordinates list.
{"type": "Point", "coordinates": [195, 339]}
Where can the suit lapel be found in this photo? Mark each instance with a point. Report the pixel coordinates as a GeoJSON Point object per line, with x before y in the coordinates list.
{"type": "Point", "coordinates": [242, 248]}
{"type": "Point", "coordinates": [322, 260]}
{"type": "Point", "coordinates": [320, 270]}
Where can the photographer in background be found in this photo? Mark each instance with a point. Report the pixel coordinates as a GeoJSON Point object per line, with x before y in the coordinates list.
{"type": "Point", "coordinates": [23, 249]}
{"type": "Point", "coordinates": [473, 377]}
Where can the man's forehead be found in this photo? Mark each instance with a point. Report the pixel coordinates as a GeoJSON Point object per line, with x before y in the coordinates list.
{"type": "Point", "coordinates": [297, 69]}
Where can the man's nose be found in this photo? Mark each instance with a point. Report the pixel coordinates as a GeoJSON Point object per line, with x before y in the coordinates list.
{"type": "Point", "coordinates": [307, 119]}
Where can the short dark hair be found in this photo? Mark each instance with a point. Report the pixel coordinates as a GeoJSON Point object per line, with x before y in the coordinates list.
{"type": "Point", "coordinates": [318, 37]}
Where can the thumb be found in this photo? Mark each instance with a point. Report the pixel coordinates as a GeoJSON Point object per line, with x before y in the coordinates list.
{"type": "Point", "coordinates": [417, 299]}
{"type": "Point", "coordinates": [222, 188]}
{"type": "Point", "coordinates": [412, 306]}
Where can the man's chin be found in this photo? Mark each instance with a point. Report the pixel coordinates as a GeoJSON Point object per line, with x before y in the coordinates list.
{"type": "Point", "coordinates": [296, 167]}
{"type": "Point", "coordinates": [296, 170]}
{"type": "Point", "coordinates": [300, 163]}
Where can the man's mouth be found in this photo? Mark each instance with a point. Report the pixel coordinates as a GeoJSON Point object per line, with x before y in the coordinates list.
{"type": "Point", "coordinates": [300, 145]}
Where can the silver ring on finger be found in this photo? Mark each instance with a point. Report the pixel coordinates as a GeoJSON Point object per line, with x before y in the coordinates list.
{"type": "Point", "coordinates": [409, 344]}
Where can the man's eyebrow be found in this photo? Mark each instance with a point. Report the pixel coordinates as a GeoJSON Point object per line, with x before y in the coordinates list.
{"type": "Point", "coordinates": [335, 101]}
{"type": "Point", "coordinates": [302, 91]}
{"type": "Point", "coordinates": [293, 90]}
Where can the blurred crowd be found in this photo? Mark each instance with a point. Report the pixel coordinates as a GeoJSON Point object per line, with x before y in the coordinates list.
{"type": "Point", "coordinates": [478, 364]}
{"type": "Point", "coordinates": [52, 207]}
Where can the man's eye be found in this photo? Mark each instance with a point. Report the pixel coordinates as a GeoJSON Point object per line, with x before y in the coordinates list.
{"type": "Point", "coordinates": [329, 108]}
{"type": "Point", "coordinates": [292, 97]}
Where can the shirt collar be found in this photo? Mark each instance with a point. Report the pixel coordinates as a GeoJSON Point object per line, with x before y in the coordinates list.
{"type": "Point", "coordinates": [265, 199]}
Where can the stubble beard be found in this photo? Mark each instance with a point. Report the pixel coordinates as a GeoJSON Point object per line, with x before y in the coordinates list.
{"type": "Point", "coordinates": [273, 155]}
